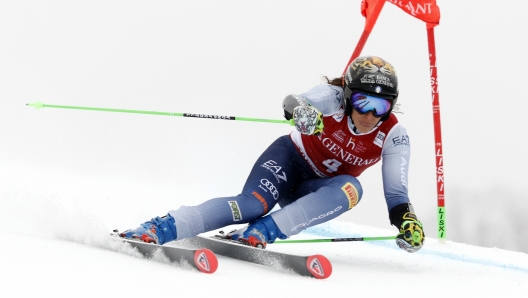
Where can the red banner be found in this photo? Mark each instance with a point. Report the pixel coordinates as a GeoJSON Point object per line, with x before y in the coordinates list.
{"type": "Point", "coordinates": [425, 10]}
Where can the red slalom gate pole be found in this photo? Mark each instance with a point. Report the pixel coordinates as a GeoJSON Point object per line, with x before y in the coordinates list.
{"type": "Point", "coordinates": [437, 133]}
{"type": "Point", "coordinates": [371, 14]}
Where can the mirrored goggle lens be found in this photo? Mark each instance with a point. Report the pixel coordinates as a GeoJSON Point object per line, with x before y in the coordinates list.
{"type": "Point", "coordinates": [364, 103]}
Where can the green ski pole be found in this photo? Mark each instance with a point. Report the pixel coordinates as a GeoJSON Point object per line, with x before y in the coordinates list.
{"type": "Point", "coordinates": [338, 239]}
{"type": "Point", "coordinates": [39, 105]}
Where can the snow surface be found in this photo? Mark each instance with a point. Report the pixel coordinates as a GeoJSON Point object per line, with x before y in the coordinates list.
{"type": "Point", "coordinates": [55, 243]}
{"type": "Point", "coordinates": [89, 265]}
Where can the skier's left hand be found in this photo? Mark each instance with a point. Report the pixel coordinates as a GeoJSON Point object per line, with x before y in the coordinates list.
{"type": "Point", "coordinates": [411, 236]}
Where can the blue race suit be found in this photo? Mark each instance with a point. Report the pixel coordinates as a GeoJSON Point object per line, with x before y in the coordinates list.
{"type": "Point", "coordinates": [312, 178]}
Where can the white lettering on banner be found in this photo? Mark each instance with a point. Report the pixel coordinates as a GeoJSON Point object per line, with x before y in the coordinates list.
{"type": "Point", "coordinates": [305, 224]}
{"type": "Point", "coordinates": [419, 9]}
{"type": "Point", "coordinates": [346, 156]}
{"type": "Point", "coordinates": [413, 9]}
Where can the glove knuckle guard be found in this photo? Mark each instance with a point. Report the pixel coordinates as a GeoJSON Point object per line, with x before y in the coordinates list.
{"type": "Point", "coordinates": [411, 235]}
{"type": "Point", "coordinates": [308, 120]}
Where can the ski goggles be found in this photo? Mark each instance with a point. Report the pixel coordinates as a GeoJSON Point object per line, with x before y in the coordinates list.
{"type": "Point", "coordinates": [364, 103]}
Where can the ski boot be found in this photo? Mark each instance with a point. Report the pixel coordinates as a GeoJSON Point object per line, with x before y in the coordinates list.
{"type": "Point", "coordinates": [159, 230]}
{"type": "Point", "coordinates": [258, 233]}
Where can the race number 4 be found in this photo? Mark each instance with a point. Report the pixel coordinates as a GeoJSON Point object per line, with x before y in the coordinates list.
{"type": "Point", "coordinates": [331, 165]}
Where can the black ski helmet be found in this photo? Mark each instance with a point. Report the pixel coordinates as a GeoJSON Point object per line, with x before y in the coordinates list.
{"type": "Point", "coordinates": [371, 75]}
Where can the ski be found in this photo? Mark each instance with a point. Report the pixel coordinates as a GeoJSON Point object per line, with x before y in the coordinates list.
{"type": "Point", "coordinates": [202, 259]}
{"type": "Point", "coordinates": [317, 266]}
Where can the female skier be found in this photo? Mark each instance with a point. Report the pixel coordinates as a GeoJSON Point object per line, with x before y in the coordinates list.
{"type": "Point", "coordinates": [342, 128]}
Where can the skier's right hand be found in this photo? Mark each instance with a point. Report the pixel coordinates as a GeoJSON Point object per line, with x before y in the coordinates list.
{"type": "Point", "coordinates": [308, 120]}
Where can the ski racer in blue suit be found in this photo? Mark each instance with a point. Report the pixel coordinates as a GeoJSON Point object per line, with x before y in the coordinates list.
{"type": "Point", "coordinates": [342, 128]}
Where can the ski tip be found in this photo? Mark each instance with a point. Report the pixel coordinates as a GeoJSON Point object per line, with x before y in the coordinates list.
{"type": "Point", "coordinates": [205, 260]}
{"type": "Point", "coordinates": [319, 266]}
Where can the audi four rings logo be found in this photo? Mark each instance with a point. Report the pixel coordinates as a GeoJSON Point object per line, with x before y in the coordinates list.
{"type": "Point", "coordinates": [273, 190]}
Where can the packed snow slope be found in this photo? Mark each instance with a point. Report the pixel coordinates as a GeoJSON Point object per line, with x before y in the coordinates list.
{"type": "Point", "coordinates": [57, 244]}
{"type": "Point", "coordinates": [89, 265]}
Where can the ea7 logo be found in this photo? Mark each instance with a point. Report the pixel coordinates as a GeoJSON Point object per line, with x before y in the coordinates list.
{"type": "Point", "coordinates": [235, 210]}
{"type": "Point", "coordinates": [401, 140]}
{"type": "Point", "coordinates": [272, 166]}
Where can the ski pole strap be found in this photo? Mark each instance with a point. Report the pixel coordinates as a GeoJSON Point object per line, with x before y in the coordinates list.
{"type": "Point", "coordinates": [337, 239]}
{"type": "Point", "coordinates": [39, 105]}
